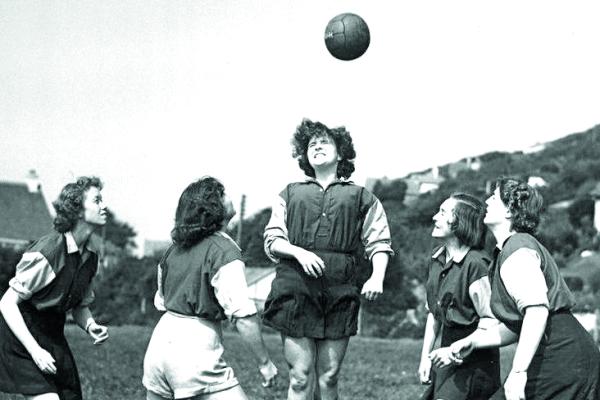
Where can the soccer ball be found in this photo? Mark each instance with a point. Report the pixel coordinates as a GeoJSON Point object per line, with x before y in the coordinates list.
{"type": "Point", "coordinates": [347, 36]}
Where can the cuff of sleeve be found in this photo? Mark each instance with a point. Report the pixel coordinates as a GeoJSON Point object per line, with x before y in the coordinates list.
{"type": "Point", "coordinates": [87, 301]}
{"type": "Point", "coordinates": [159, 302]}
{"type": "Point", "coordinates": [268, 242]}
{"type": "Point", "coordinates": [380, 248]}
{"type": "Point", "coordinates": [523, 305]}
{"type": "Point", "coordinates": [20, 289]}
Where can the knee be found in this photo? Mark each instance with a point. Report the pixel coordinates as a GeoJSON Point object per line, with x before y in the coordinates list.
{"type": "Point", "coordinates": [299, 379]}
{"type": "Point", "coordinates": [329, 377]}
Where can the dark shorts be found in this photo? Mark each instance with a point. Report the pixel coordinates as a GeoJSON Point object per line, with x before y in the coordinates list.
{"type": "Point", "coordinates": [18, 372]}
{"type": "Point", "coordinates": [320, 308]}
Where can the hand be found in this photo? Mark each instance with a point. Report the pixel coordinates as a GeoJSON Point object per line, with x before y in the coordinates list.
{"type": "Point", "coordinates": [443, 357]}
{"type": "Point", "coordinates": [269, 372]}
{"type": "Point", "coordinates": [98, 332]}
{"type": "Point", "coordinates": [425, 371]}
{"type": "Point", "coordinates": [461, 349]}
{"type": "Point", "coordinates": [514, 387]}
{"type": "Point", "coordinates": [311, 263]}
{"type": "Point", "coordinates": [372, 289]}
{"type": "Point", "coordinates": [43, 360]}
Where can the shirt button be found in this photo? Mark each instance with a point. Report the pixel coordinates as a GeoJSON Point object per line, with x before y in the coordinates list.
{"type": "Point", "coordinates": [324, 214]}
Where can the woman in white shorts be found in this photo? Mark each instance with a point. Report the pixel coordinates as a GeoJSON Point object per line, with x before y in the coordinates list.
{"type": "Point", "coordinates": [200, 283]}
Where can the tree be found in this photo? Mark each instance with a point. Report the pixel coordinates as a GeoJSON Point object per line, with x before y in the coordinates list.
{"type": "Point", "coordinates": [119, 233]}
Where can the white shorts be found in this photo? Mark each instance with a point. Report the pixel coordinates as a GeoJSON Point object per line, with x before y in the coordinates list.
{"type": "Point", "coordinates": [184, 358]}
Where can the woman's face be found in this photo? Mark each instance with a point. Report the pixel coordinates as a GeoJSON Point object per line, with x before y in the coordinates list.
{"type": "Point", "coordinates": [496, 212]}
{"type": "Point", "coordinates": [94, 209]}
{"type": "Point", "coordinates": [322, 151]}
{"type": "Point", "coordinates": [442, 221]}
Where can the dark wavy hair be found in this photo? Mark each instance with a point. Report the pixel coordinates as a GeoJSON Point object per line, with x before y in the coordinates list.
{"type": "Point", "coordinates": [524, 202]}
{"type": "Point", "coordinates": [343, 142]}
{"type": "Point", "coordinates": [468, 226]}
{"type": "Point", "coordinates": [200, 212]}
{"type": "Point", "coordinates": [69, 204]}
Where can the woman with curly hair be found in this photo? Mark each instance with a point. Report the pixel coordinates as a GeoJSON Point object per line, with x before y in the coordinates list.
{"type": "Point", "coordinates": [316, 232]}
{"type": "Point", "coordinates": [555, 357]}
{"type": "Point", "coordinates": [54, 276]}
{"type": "Point", "coordinates": [200, 283]}
{"type": "Point", "coordinates": [458, 300]}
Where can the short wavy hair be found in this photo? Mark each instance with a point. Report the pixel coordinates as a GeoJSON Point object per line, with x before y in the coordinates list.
{"type": "Point", "coordinates": [69, 204]}
{"type": "Point", "coordinates": [343, 142]}
{"type": "Point", "coordinates": [200, 212]}
{"type": "Point", "coordinates": [524, 202]}
{"type": "Point", "coordinates": [468, 226]}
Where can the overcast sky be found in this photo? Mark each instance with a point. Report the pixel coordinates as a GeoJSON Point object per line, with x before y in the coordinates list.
{"type": "Point", "coordinates": [151, 95]}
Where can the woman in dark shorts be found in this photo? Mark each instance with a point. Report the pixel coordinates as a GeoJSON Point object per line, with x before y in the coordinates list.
{"type": "Point", "coordinates": [555, 357]}
{"type": "Point", "coordinates": [315, 232]}
{"type": "Point", "coordinates": [53, 277]}
{"type": "Point", "coordinates": [458, 300]}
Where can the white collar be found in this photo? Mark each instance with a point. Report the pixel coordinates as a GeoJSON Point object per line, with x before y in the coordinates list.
{"type": "Point", "coordinates": [71, 243]}
{"type": "Point", "coordinates": [457, 258]}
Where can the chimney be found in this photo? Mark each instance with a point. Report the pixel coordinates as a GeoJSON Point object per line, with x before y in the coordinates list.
{"type": "Point", "coordinates": [33, 182]}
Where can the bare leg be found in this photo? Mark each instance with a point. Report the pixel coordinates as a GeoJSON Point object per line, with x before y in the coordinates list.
{"type": "Point", "coordinates": [234, 393]}
{"type": "Point", "coordinates": [330, 355]}
{"type": "Point", "coordinates": [300, 356]}
{"type": "Point", "coordinates": [153, 396]}
{"type": "Point", "coordinates": [45, 396]}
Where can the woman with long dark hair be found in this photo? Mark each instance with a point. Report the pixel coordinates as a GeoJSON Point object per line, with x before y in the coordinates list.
{"type": "Point", "coordinates": [200, 283]}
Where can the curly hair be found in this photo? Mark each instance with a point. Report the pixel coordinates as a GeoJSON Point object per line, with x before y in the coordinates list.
{"type": "Point", "coordinates": [524, 202]}
{"type": "Point", "coordinates": [343, 142]}
{"type": "Point", "coordinates": [468, 226]}
{"type": "Point", "coordinates": [69, 204]}
{"type": "Point", "coordinates": [200, 212]}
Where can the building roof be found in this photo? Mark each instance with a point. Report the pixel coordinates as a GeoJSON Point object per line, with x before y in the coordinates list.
{"type": "Point", "coordinates": [24, 215]}
{"type": "Point", "coordinates": [255, 274]}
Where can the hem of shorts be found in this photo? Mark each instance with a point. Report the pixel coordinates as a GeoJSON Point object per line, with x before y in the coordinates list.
{"type": "Point", "coordinates": [191, 392]}
{"type": "Point", "coordinates": [298, 333]}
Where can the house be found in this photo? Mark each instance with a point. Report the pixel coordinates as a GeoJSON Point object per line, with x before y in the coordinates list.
{"type": "Point", "coordinates": [421, 182]}
{"type": "Point", "coordinates": [24, 213]}
{"type": "Point", "coordinates": [259, 284]}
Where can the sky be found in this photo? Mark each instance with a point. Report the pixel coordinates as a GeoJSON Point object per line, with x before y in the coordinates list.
{"type": "Point", "coordinates": [151, 95]}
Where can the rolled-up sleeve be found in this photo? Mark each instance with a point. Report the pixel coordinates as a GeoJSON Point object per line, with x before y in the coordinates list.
{"type": "Point", "coordinates": [88, 297]}
{"type": "Point", "coordinates": [159, 299]}
{"type": "Point", "coordinates": [276, 227]}
{"type": "Point", "coordinates": [33, 273]}
{"type": "Point", "coordinates": [231, 290]}
{"type": "Point", "coordinates": [376, 235]}
{"type": "Point", "coordinates": [524, 280]}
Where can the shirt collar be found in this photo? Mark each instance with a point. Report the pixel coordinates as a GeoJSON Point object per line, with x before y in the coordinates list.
{"type": "Point", "coordinates": [500, 244]}
{"type": "Point", "coordinates": [308, 179]}
{"type": "Point", "coordinates": [458, 257]}
{"type": "Point", "coordinates": [72, 247]}
{"type": "Point", "coordinates": [71, 243]}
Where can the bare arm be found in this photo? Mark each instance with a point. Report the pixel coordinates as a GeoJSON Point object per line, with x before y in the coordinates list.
{"type": "Point", "coordinates": [312, 264]}
{"type": "Point", "coordinates": [432, 328]}
{"type": "Point", "coordinates": [9, 306]}
{"type": "Point", "coordinates": [373, 287]}
{"type": "Point", "coordinates": [84, 319]}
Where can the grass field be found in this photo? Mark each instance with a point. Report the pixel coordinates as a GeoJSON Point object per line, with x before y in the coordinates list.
{"type": "Point", "coordinates": [373, 368]}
